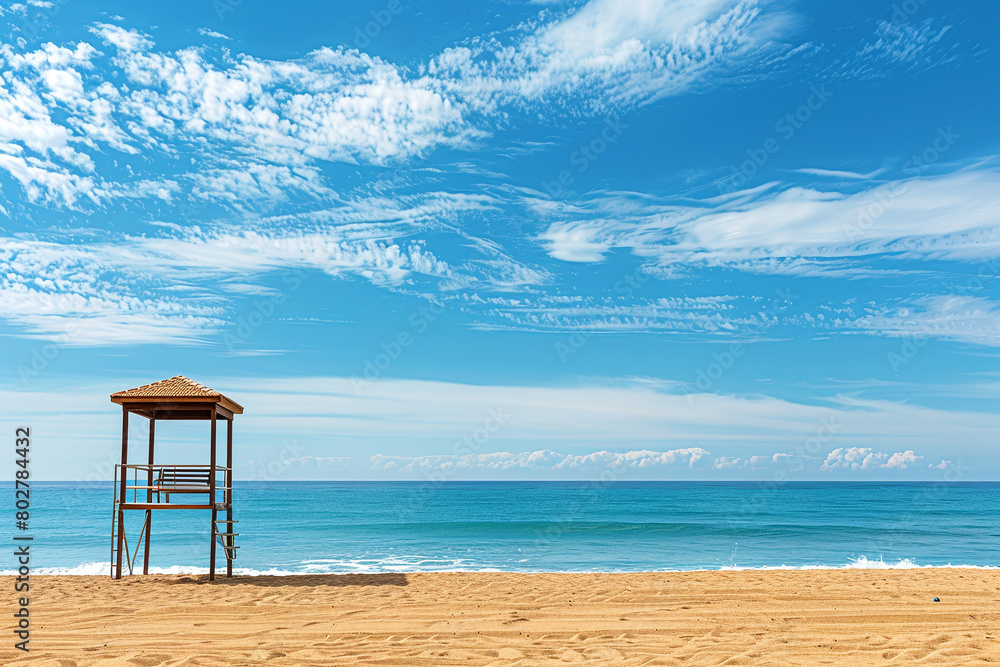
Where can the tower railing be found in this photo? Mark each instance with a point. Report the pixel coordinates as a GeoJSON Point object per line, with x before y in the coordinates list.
{"type": "Point", "coordinates": [169, 479]}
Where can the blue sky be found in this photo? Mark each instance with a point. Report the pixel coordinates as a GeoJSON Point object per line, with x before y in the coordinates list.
{"type": "Point", "coordinates": [538, 240]}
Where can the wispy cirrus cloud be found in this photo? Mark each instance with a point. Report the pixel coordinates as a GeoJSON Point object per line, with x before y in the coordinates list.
{"type": "Point", "coordinates": [119, 293]}
{"type": "Point", "coordinates": [78, 297]}
{"type": "Point", "coordinates": [793, 229]}
{"type": "Point", "coordinates": [909, 43]}
{"type": "Point", "coordinates": [951, 317]}
{"type": "Point", "coordinates": [541, 313]}
{"type": "Point", "coordinates": [253, 253]}
{"type": "Point", "coordinates": [610, 54]}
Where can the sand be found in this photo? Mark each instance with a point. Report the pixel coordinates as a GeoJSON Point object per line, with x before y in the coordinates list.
{"type": "Point", "coordinates": [812, 617]}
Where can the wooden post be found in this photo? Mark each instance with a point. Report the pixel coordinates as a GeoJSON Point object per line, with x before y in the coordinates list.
{"type": "Point", "coordinates": [211, 495]}
{"type": "Point", "coordinates": [149, 493]}
{"type": "Point", "coordinates": [121, 492]}
{"type": "Point", "coordinates": [230, 527]}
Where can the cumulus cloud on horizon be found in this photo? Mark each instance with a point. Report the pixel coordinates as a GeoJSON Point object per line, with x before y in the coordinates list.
{"type": "Point", "coordinates": [865, 458]}
{"type": "Point", "coordinates": [854, 458]}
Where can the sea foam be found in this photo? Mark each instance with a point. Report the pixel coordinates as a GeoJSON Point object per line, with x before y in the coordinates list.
{"type": "Point", "coordinates": [397, 566]}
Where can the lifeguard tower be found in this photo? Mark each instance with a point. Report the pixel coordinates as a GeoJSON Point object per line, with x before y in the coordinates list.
{"type": "Point", "coordinates": [193, 486]}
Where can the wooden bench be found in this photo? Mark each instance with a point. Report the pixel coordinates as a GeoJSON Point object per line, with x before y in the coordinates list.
{"type": "Point", "coordinates": [182, 480]}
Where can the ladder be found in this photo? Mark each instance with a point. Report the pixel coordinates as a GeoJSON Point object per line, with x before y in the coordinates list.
{"type": "Point", "coordinates": [114, 535]}
{"type": "Point", "coordinates": [115, 527]}
{"type": "Point", "coordinates": [226, 537]}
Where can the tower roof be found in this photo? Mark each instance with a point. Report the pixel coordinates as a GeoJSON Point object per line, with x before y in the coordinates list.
{"type": "Point", "coordinates": [178, 389]}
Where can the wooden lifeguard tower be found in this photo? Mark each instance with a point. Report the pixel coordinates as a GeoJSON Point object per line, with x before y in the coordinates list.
{"type": "Point", "coordinates": [175, 398]}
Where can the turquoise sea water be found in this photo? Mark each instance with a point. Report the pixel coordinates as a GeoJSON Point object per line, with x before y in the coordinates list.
{"type": "Point", "coordinates": [299, 527]}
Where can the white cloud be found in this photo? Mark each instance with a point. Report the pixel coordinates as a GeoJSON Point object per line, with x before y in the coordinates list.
{"type": "Point", "coordinates": [966, 319]}
{"type": "Point", "coordinates": [838, 174]}
{"type": "Point", "coordinates": [905, 43]}
{"type": "Point", "coordinates": [274, 118]}
{"type": "Point", "coordinates": [609, 315]}
{"type": "Point", "coordinates": [340, 105]}
{"type": "Point", "coordinates": [608, 54]}
{"type": "Point", "coordinates": [126, 40]}
{"type": "Point", "coordinates": [245, 187]}
{"type": "Point", "coordinates": [728, 462]}
{"type": "Point", "coordinates": [103, 293]}
{"type": "Point", "coordinates": [864, 458]}
{"type": "Point", "coordinates": [778, 460]}
{"type": "Point", "coordinates": [63, 294]}
{"type": "Point", "coordinates": [45, 181]}
{"type": "Point", "coordinates": [211, 33]}
{"type": "Point", "coordinates": [25, 118]}
{"type": "Point", "coordinates": [686, 457]}
{"type": "Point", "coordinates": [785, 460]}
{"type": "Point", "coordinates": [962, 318]}
{"type": "Point", "coordinates": [314, 462]}
{"type": "Point", "coordinates": [331, 105]}
{"type": "Point", "coordinates": [770, 228]}
{"type": "Point", "coordinates": [855, 458]}
{"type": "Point", "coordinates": [542, 459]}
{"type": "Point", "coordinates": [574, 243]}
{"type": "Point", "coordinates": [45, 154]}
{"type": "Point", "coordinates": [252, 252]}
{"type": "Point", "coordinates": [902, 460]}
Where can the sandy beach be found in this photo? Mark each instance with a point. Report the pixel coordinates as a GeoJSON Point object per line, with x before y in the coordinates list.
{"type": "Point", "coordinates": [837, 617]}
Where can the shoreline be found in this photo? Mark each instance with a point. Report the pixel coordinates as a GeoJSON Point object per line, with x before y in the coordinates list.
{"type": "Point", "coordinates": [805, 617]}
{"type": "Point", "coordinates": [866, 565]}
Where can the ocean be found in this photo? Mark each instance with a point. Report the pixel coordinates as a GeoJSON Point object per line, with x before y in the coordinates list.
{"type": "Point", "coordinates": [339, 527]}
